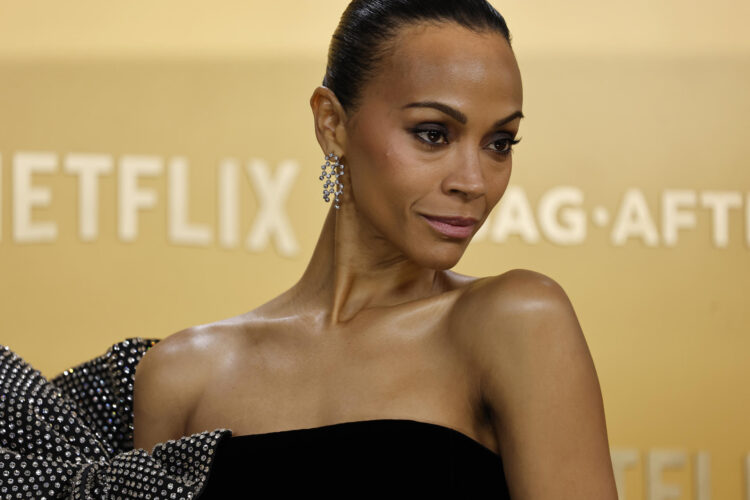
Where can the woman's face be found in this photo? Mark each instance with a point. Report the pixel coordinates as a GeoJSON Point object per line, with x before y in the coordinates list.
{"type": "Point", "coordinates": [432, 137]}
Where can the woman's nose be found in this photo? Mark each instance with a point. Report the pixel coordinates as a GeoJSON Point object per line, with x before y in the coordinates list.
{"type": "Point", "coordinates": [465, 175]}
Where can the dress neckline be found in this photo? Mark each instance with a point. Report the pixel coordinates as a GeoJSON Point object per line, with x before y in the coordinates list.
{"type": "Point", "coordinates": [389, 421]}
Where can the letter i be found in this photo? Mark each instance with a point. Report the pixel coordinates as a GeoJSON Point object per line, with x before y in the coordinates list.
{"type": "Point", "coordinates": [702, 476]}
{"type": "Point", "coordinates": [228, 209]}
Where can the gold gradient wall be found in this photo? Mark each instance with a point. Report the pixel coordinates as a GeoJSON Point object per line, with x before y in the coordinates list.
{"type": "Point", "coordinates": [158, 169]}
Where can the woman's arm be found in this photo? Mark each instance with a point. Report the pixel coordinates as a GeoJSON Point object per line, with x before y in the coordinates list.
{"type": "Point", "coordinates": [541, 388]}
{"type": "Point", "coordinates": [165, 384]}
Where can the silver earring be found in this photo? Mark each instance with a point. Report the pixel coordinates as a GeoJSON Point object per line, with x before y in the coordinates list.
{"type": "Point", "coordinates": [330, 157]}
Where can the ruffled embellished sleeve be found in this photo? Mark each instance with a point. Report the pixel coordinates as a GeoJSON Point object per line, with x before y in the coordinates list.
{"type": "Point", "coordinates": [72, 436]}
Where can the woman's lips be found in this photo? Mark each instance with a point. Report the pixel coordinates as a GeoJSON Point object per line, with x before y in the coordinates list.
{"type": "Point", "coordinates": [454, 230]}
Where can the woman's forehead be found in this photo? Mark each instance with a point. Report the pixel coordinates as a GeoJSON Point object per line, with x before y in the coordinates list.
{"type": "Point", "coordinates": [448, 58]}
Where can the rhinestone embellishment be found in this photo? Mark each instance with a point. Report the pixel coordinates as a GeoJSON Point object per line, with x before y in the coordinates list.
{"type": "Point", "coordinates": [72, 436]}
{"type": "Point", "coordinates": [332, 161]}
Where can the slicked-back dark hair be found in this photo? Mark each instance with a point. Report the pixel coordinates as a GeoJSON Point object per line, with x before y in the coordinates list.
{"type": "Point", "coordinates": [367, 28]}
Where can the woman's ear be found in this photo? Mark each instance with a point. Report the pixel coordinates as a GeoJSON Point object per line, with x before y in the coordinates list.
{"type": "Point", "coordinates": [330, 121]}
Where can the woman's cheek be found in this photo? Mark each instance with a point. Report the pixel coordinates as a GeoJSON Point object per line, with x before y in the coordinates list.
{"type": "Point", "coordinates": [499, 187]}
{"type": "Point", "coordinates": [408, 160]}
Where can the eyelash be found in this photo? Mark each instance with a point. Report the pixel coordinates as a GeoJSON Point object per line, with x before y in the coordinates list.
{"type": "Point", "coordinates": [416, 131]}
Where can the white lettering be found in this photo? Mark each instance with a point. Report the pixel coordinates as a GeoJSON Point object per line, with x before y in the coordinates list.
{"type": "Point", "coordinates": [720, 202]}
{"type": "Point", "coordinates": [656, 462]}
{"type": "Point", "coordinates": [229, 220]}
{"type": "Point", "coordinates": [180, 230]}
{"type": "Point", "coordinates": [560, 215]}
{"type": "Point", "coordinates": [271, 218]}
{"type": "Point", "coordinates": [672, 218]}
{"type": "Point", "coordinates": [702, 476]}
{"type": "Point", "coordinates": [634, 219]}
{"type": "Point", "coordinates": [88, 168]}
{"type": "Point", "coordinates": [130, 198]}
{"type": "Point", "coordinates": [574, 230]}
{"type": "Point", "coordinates": [26, 196]}
{"type": "Point", "coordinates": [622, 459]}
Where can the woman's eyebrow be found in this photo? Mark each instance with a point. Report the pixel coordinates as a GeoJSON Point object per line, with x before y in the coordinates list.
{"type": "Point", "coordinates": [457, 115]}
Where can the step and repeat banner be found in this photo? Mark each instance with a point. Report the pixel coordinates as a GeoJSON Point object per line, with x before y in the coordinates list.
{"type": "Point", "coordinates": [159, 169]}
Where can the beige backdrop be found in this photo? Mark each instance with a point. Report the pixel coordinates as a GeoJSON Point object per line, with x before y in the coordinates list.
{"type": "Point", "coordinates": [158, 169]}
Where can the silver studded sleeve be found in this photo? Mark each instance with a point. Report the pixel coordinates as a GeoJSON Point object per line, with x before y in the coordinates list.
{"type": "Point", "coordinates": [72, 436]}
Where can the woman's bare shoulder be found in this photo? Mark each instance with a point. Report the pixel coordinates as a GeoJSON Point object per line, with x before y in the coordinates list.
{"type": "Point", "coordinates": [509, 291]}
{"type": "Point", "coordinates": [505, 305]}
{"type": "Point", "coordinates": [167, 380]}
{"type": "Point", "coordinates": [171, 376]}
{"type": "Point", "coordinates": [531, 355]}
{"type": "Point", "coordinates": [196, 347]}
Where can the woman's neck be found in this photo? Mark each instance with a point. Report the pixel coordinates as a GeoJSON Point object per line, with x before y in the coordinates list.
{"type": "Point", "coordinates": [352, 269]}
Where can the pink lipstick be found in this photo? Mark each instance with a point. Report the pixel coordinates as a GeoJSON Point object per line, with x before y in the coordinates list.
{"type": "Point", "coordinates": [455, 227]}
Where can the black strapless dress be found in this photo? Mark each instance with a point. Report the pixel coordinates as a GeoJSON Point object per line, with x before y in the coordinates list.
{"type": "Point", "coordinates": [72, 437]}
{"type": "Point", "coordinates": [388, 458]}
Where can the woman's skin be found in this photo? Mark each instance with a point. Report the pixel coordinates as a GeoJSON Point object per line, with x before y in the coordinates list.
{"type": "Point", "coordinates": [378, 326]}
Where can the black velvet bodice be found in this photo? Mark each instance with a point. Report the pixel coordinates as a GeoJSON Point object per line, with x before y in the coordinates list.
{"type": "Point", "coordinates": [386, 458]}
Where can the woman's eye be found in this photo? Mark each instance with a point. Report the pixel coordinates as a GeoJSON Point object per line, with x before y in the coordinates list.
{"type": "Point", "coordinates": [504, 145]}
{"type": "Point", "coordinates": [430, 136]}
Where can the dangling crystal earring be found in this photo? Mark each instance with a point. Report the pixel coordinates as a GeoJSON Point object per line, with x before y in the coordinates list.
{"type": "Point", "coordinates": [332, 183]}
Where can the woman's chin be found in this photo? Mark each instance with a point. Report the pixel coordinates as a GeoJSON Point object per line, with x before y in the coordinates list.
{"type": "Point", "coordinates": [440, 259]}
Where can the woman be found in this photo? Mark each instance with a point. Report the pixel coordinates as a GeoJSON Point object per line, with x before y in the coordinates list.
{"type": "Point", "coordinates": [381, 369]}
{"type": "Point", "coordinates": [380, 372]}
